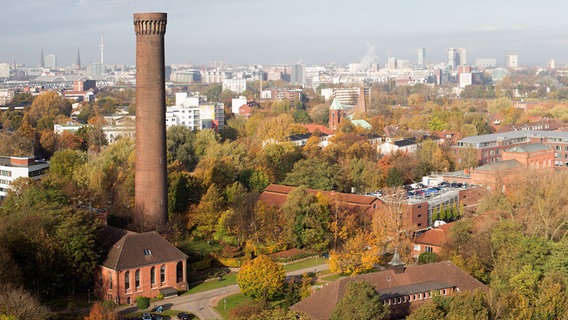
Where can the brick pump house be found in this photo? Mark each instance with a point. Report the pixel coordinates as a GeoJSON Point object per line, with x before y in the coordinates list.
{"type": "Point", "coordinates": [141, 264]}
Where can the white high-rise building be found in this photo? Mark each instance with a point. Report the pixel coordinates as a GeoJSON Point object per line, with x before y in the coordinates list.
{"type": "Point", "coordinates": [4, 71]}
{"type": "Point", "coordinates": [391, 63]}
{"type": "Point", "coordinates": [512, 61]}
{"type": "Point", "coordinates": [51, 61]}
{"type": "Point", "coordinates": [457, 57]}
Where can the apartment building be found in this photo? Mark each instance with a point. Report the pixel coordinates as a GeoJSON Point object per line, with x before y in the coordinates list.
{"type": "Point", "coordinates": [12, 168]}
{"type": "Point", "coordinates": [490, 147]}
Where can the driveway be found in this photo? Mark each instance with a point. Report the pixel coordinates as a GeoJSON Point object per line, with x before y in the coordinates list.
{"type": "Point", "coordinates": [201, 304]}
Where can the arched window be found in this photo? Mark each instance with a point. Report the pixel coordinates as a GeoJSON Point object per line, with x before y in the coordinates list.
{"type": "Point", "coordinates": [153, 275]}
{"type": "Point", "coordinates": [163, 273]}
{"type": "Point", "coordinates": [137, 278]}
{"type": "Point", "coordinates": [110, 280]}
{"type": "Point", "coordinates": [127, 280]}
{"type": "Point", "coordinates": [179, 272]}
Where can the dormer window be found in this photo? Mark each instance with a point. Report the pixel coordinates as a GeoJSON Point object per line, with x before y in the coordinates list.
{"type": "Point", "coordinates": [147, 252]}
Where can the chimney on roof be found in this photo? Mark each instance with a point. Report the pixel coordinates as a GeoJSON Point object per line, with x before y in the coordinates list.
{"type": "Point", "coordinates": [396, 263]}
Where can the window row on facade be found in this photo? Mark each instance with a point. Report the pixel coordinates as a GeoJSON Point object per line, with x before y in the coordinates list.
{"type": "Point", "coordinates": [413, 297]}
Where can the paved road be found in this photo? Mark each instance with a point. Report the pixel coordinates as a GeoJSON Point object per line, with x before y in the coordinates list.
{"type": "Point", "coordinates": [201, 304]}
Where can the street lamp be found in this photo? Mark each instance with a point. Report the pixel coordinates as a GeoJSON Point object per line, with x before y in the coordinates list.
{"type": "Point", "coordinates": [224, 299]}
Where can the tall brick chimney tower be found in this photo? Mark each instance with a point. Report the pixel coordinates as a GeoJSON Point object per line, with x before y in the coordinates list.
{"type": "Point", "coordinates": [151, 199]}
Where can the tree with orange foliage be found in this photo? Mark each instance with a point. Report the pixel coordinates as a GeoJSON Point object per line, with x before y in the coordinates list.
{"type": "Point", "coordinates": [100, 311]}
{"type": "Point", "coordinates": [392, 225]}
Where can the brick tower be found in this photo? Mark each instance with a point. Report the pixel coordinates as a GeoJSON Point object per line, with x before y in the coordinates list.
{"type": "Point", "coordinates": [151, 199]}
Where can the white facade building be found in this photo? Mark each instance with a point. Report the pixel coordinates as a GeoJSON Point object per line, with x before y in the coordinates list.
{"type": "Point", "coordinates": [235, 85]}
{"type": "Point", "coordinates": [51, 61]}
{"type": "Point", "coordinates": [457, 57]}
{"type": "Point", "coordinates": [6, 96]}
{"type": "Point", "coordinates": [12, 168]}
{"type": "Point", "coordinates": [4, 71]}
{"type": "Point", "coordinates": [512, 61]}
{"type": "Point", "coordinates": [195, 114]}
{"type": "Point", "coordinates": [236, 103]}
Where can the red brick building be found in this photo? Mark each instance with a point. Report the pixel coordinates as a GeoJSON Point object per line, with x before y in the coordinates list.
{"type": "Point", "coordinates": [490, 147]}
{"type": "Point", "coordinates": [275, 195]}
{"type": "Point", "coordinates": [402, 289]}
{"type": "Point", "coordinates": [514, 161]}
{"type": "Point", "coordinates": [141, 264]}
{"type": "Point", "coordinates": [432, 240]}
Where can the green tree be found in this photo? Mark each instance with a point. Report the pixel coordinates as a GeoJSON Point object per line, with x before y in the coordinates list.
{"type": "Point", "coordinates": [276, 160]}
{"type": "Point", "coordinates": [394, 178]}
{"type": "Point", "coordinates": [76, 236]}
{"type": "Point", "coordinates": [313, 173]}
{"type": "Point", "coordinates": [180, 146]}
{"type": "Point", "coordinates": [64, 163]}
{"type": "Point", "coordinates": [183, 191]}
{"type": "Point", "coordinates": [360, 302]}
{"type": "Point", "coordinates": [205, 215]}
{"type": "Point", "coordinates": [261, 278]}
{"type": "Point", "coordinates": [306, 220]}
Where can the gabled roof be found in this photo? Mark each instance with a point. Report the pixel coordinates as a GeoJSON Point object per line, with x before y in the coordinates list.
{"type": "Point", "coordinates": [140, 249]}
{"type": "Point", "coordinates": [318, 127]}
{"type": "Point", "coordinates": [336, 105]}
{"type": "Point", "coordinates": [436, 237]}
{"type": "Point", "coordinates": [387, 283]}
{"type": "Point", "coordinates": [362, 123]}
{"type": "Point", "coordinates": [276, 195]}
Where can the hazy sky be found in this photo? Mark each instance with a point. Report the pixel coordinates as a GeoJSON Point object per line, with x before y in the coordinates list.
{"type": "Point", "coordinates": [271, 32]}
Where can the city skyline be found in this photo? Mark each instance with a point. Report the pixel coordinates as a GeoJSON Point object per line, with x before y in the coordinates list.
{"type": "Point", "coordinates": [261, 32]}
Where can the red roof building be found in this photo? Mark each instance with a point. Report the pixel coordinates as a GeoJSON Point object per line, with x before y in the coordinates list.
{"type": "Point", "coordinates": [403, 289]}
{"type": "Point", "coordinates": [140, 264]}
{"type": "Point", "coordinates": [432, 240]}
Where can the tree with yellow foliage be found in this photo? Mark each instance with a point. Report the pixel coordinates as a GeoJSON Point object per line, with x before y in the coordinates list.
{"type": "Point", "coordinates": [359, 254]}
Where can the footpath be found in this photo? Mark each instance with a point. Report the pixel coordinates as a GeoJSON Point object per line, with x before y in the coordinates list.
{"type": "Point", "coordinates": [202, 304]}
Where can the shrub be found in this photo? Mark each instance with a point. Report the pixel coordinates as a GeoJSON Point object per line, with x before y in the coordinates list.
{"type": "Point", "coordinates": [160, 296]}
{"type": "Point", "coordinates": [245, 311]}
{"type": "Point", "coordinates": [142, 302]}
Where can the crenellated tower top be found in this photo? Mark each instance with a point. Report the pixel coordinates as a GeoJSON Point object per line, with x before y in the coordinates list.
{"type": "Point", "coordinates": [150, 23]}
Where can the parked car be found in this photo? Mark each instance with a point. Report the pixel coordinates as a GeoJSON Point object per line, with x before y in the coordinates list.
{"type": "Point", "coordinates": [183, 316]}
{"type": "Point", "coordinates": [456, 185]}
{"type": "Point", "coordinates": [146, 316]}
{"type": "Point", "coordinates": [443, 184]}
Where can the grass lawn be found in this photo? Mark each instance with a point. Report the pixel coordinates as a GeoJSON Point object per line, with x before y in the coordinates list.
{"type": "Point", "coordinates": [228, 279]}
{"type": "Point", "coordinates": [312, 262]}
{"type": "Point", "coordinates": [231, 302]}
{"type": "Point", "coordinates": [231, 278]}
{"type": "Point", "coordinates": [331, 277]}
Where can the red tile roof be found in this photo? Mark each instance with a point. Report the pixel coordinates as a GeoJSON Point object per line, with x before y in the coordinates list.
{"type": "Point", "coordinates": [387, 283]}
{"type": "Point", "coordinates": [323, 129]}
{"type": "Point", "coordinates": [435, 237]}
{"type": "Point", "coordinates": [276, 195]}
{"type": "Point", "coordinates": [140, 249]}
